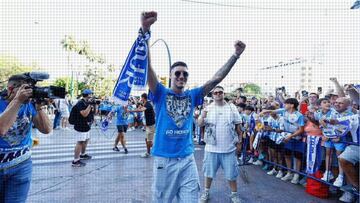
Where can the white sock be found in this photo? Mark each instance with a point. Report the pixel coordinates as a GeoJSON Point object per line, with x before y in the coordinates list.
{"type": "Point", "coordinates": [233, 193]}
{"type": "Point", "coordinates": [207, 190]}
{"type": "Point", "coordinates": [75, 160]}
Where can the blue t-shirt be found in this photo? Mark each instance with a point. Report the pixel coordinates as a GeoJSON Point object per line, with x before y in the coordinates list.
{"type": "Point", "coordinates": [18, 137]}
{"type": "Point", "coordinates": [121, 115]}
{"type": "Point", "coordinates": [292, 121]}
{"type": "Point", "coordinates": [174, 114]}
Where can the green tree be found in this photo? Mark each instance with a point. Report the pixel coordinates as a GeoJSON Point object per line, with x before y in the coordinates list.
{"type": "Point", "coordinates": [10, 66]}
{"type": "Point", "coordinates": [252, 89]}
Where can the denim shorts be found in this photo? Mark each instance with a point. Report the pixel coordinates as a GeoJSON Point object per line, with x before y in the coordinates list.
{"type": "Point", "coordinates": [227, 161]}
{"type": "Point", "coordinates": [15, 182]}
{"type": "Point", "coordinates": [175, 178]}
{"type": "Point", "coordinates": [351, 154]}
{"type": "Point", "coordinates": [338, 146]}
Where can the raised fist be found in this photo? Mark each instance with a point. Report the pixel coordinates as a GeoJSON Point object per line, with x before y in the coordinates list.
{"type": "Point", "coordinates": [147, 19]}
{"type": "Point", "coordinates": [239, 47]}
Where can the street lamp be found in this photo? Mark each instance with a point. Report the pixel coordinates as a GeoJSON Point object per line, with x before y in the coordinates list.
{"type": "Point", "coordinates": [168, 52]}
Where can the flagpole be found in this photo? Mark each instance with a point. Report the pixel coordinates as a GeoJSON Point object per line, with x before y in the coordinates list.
{"type": "Point", "coordinates": [169, 55]}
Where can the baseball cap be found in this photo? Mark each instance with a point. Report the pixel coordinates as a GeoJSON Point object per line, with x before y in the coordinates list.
{"type": "Point", "coordinates": [87, 91]}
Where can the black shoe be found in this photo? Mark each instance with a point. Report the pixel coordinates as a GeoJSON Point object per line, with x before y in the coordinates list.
{"type": "Point", "coordinates": [126, 151]}
{"type": "Point", "coordinates": [116, 149]}
{"type": "Point", "coordinates": [78, 164]}
{"type": "Point", "coordinates": [85, 157]}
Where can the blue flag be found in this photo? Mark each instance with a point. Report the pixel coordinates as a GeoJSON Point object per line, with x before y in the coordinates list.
{"type": "Point", "coordinates": [134, 73]}
{"type": "Point", "coordinates": [356, 5]}
{"type": "Point", "coordinates": [104, 125]}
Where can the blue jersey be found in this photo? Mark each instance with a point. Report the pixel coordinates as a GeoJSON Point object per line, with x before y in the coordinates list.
{"type": "Point", "coordinates": [292, 121]}
{"type": "Point", "coordinates": [174, 114]}
{"type": "Point", "coordinates": [15, 144]}
{"type": "Point", "coordinates": [331, 114]}
{"type": "Point", "coordinates": [121, 115]}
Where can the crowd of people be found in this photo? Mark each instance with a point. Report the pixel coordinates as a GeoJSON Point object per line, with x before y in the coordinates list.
{"type": "Point", "coordinates": [285, 131]}
{"type": "Point", "coordinates": [285, 134]}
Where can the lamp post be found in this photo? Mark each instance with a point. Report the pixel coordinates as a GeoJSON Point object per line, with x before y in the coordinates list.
{"type": "Point", "coordinates": [168, 52]}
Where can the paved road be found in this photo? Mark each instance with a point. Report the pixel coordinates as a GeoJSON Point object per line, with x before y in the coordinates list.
{"type": "Point", "coordinates": [118, 177]}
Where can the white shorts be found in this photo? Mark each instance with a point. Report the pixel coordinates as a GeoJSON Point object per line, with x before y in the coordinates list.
{"type": "Point", "coordinates": [82, 136]}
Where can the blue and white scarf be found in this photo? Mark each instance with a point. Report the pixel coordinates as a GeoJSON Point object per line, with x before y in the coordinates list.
{"type": "Point", "coordinates": [312, 154]}
{"type": "Point", "coordinates": [134, 73]}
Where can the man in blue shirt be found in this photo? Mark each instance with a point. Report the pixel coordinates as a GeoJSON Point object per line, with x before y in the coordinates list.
{"type": "Point", "coordinates": [175, 171]}
{"type": "Point", "coordinates": [122, 115]}
{"type": "Point", "coordinates": [17, 115]}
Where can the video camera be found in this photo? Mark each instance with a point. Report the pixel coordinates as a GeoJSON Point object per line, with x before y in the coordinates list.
{"type": "Point", "coordinates": [41, 93]}
{"type": "Point", "coordinates": [94, 101]}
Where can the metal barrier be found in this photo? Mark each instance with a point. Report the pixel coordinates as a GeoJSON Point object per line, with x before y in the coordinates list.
{"type": "Point", "coordinates": [244, 155]}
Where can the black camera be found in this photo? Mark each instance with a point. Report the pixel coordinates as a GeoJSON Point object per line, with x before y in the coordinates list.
{"type": "Point", "coordinates": [41, 93]}
{"type": "Point", "coordinates": [94, 101]}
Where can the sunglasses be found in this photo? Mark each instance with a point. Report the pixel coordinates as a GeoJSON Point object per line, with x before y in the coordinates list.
{"type": "Point", "coordinates": [218, 93]}
{"type": "Point", "coordinates": [178, 73]}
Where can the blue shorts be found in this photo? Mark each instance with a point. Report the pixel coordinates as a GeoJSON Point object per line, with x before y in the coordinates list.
{"type": "Point", "coordinates": [227, 161]}
{"type": "Point", "coordinates": [338, 146]}
{"type": "Point", "coordinates": [175, 178]}
{"type": "Point", "coordinates": [295, 145]}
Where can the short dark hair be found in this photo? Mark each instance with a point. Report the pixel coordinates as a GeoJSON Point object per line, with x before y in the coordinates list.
{"type": "Point", "coordinates": [243, 98]}
{"type": "Point", "coordinates": [314, 94]}
{"type": "Point", "coordinates": [318, 102]}
{"type": "Point", "coordinates": [144, 96]}
{"type": "Point", "coordinates": [18, 77]}
{"type": "Point", "coordinates": [292, 101]}
{"type": "Point", "coordinates": [84, 95]}
{"type": "Point", "coordinates": [250, 108]}
{"type": "Point", "coordinates": [178, 63]}
{"type": "Point", "coordinates": [218, 86]}
{"type": "Point", "coordinates": [241, 105]}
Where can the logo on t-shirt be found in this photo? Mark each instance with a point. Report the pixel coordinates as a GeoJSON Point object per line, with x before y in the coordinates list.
{"type": "Point", "coordinates": [178, 108]}
{"type": "Point", "coordinates": [18, 131]}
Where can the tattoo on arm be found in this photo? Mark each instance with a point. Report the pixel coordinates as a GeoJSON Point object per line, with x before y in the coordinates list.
{"type": "Point", "coordinates": [219, 75]}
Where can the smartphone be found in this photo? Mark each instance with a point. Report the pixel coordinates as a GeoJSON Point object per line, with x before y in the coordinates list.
{"type": "Point", "coordinates": [319, 90]}
{"type": "Point", "coordinates": [305, 93]}
{"type": "Point", "coordinates": [266, 123]}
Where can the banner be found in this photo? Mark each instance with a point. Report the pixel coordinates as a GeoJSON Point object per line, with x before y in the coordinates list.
{"type": "Point", "coordinates": [335, 131]}
{"type": "Point", "coordinates": [134, 73]}
{"type": "Point", "coordinates": [312, 154]}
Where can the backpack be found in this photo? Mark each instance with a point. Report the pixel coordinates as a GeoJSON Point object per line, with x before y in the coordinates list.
{"type": "Point", "coordinates": [74, 114]}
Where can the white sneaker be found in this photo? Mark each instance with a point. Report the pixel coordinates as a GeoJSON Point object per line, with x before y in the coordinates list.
{"type": "Point", "coordinates": [287, 177]}
{"type": "Point", "coordinates": [280, 174]}
{"type": "Point", "coordinates": [251, 160]}
{"type": "Point", "coordinates": [339, 181]}
{"type": "Point", "coordinates": [205, 197]}
{"type": "Point", "coordinates": [133, 128]}
{"type": "Point", "coordinates": [295, 179]}
{"type": "Point", "coordinates": [347, 197]}
{"type": "Point", "coordinates": [327, 176]}
{"type": "Point", "coordinates": [235, 198]}
{"type": "Point", "coordinates": [272, 172]}
{"type": "Point", "coordinates": [258, 163]}
{"type": "Point", "coordinates": [146, 155]}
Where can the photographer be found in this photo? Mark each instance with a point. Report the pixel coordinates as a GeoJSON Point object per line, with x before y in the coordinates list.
{"type": "Point", "coordinates": [83, 113]}
{"type": "Point", "coordinates": [17, 115]}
